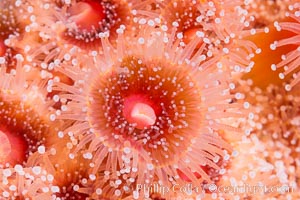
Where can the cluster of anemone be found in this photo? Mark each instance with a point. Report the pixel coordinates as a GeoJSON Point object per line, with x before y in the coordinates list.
{"type": "Point", "coordinates": [117, 99]}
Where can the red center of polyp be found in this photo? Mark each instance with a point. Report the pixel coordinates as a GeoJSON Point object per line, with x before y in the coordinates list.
{"type": "Point", "coordinates": [12, 148]}
{"type": "Point", "coordinates": [139, 111]}
{"type": "Point", "coordinates": [87, 14]}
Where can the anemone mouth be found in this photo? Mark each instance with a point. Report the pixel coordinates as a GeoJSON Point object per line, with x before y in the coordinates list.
{"type": "Point", "coordinates": [23, 128]}
{"type": "Point", "coordinates": [14, 147]}
{"type": "Point", "coordinates": [88, 18]}
{"type": "Point", "coordinates": [87, 15]}
{"type": "Point", "coordinates": [174, 101]}
{"type": "Point", "coordinates": [138, 110]}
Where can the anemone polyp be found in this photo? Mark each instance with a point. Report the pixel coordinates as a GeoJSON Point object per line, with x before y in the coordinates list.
{"type": "Point", "coordinates": [125, 108]}
{"type": "Point", "coordinates": [25, 138]}
{"type": "Point", "coordinates": [205, 16]}
{"type": "Point", "coordinates": [86, 19]}
{"type": "Point", "coordinates": [24, 124]}
{"type": "Point", "coordinates": [182, 97]}
{"type": "Point", "coordinates": [222, 25]}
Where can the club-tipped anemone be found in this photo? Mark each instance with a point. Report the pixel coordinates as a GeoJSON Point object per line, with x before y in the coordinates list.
{"type": "Point", "coordinates": [81, 23]}
{"type": "Point", "coordinates": [220, 26]}
{"type": "Point", "coordinates": [25, 120]}
{"type": "Point", "coordinates": [101, 97]}
{"type": "Point", "coordinates": [206, 16]}
{"type": "Point", "coordinates": [140, 78]}
{"type": "Point", "coordinates": [65, 28]}
{"type": "Point", "coordinates": [36, 19]}
{"type": "Point", "coordinates": [26, 183]}
{"type": "Point", "coordinates": [182, 98]}
{"type": "Point", "coordinates": [68, 175]}
{"type": "Point", "coordinates": [86, 19]}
